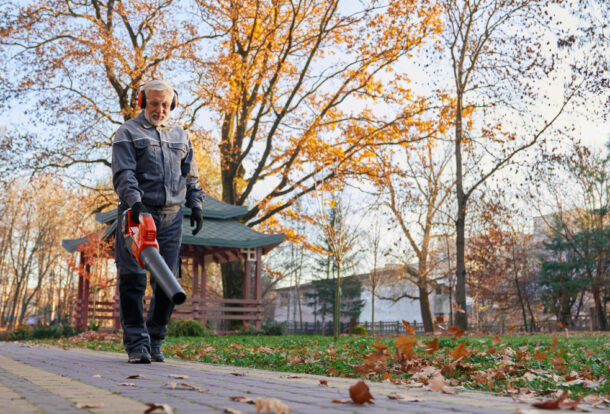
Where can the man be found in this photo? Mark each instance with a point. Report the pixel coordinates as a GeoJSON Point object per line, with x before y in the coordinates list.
{"type": "Point", "coordinates": [153, 170]}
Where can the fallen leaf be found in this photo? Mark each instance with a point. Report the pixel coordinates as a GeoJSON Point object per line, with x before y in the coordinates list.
{"type": "Point", "coordinates": [238, 374]}
{"type": "Point", "coordinates": [136, 376]}
{"type": "Point", "coordinates": [378, 346]}
{"type": "Point", "coordinates": [402, 398]}
{"type": "Point", "coordinates": [404, 345]}
{"type": "Point", "coordinates": [457, 308]}
{"type": "Point", "coordinates": [555, 342]}
{"type": "Point", "coordinates": [539, 356]}
{"type": "Point", "coordinates": [460, 351]}
{"type": "Point", "coordinates": [324, 383]}
{"type": "Point", "coordinates": [551, 404]}
{"type": "Point", "coordinates": [127, 384]}
{"type": "Point", "coordinates": [152, 407]}
{"type": "Point", "coordinates": [232, 411]}
{"type": "Point", "coordinates": [88, 405]}
{"type": "Point", "coordinates": [341, 401]}
{"type": "Point", "coordinates": [457, 332]}
{"type": "Point", "coordinates": [496, 341]}
{"type": "Point", "coordinates": [178, 376]}
{"type": "Point", "coordinates": [408, 328]}
{"type": "Point", "coordinates": [96, 376]}
{"type": "Point", "coordinates": [438, 383]}
{"type": "Point", "coordinates": [432, 346]}
{"type": "Point", "coordinates": [242, 399]}
{"type": "Point", "coordinates": [270, 405]}
{"type": "Point", "coordinates": [440, 319]}
{"type": "Point", "coordinates": [359, 393]}
{"type": "Point", "coordinates": [193, 387]}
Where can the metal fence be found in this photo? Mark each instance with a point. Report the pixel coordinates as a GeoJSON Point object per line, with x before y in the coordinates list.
{"type": "Point", "coordinates": [319, 328]}
{"type": "Point", "coordinates": [397, 327]}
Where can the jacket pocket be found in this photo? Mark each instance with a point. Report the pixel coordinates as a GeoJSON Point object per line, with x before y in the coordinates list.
{"type": "Point", "coordinates": [148, 153]}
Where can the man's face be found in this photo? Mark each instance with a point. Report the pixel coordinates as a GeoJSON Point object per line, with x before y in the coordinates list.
{"type": "Point", "coordinates": [157, 106]}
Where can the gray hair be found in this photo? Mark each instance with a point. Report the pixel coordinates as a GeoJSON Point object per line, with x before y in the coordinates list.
{"type": "Point", "coordinates": [157, 85]}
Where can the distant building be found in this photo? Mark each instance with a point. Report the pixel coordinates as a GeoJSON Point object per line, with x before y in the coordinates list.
{"type": "Point", "coordinates": [392, 282]}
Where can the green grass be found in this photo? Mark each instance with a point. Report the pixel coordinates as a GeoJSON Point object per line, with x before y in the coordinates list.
{"type": "Point", "coordinates": [497, 368]}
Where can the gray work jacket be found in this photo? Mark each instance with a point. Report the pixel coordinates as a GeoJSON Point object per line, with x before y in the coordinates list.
{"type": "Point", "coordinates": [155, 165]}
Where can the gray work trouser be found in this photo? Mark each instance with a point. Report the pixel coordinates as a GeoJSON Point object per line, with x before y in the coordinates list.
{"type": "Point", "coordinates": [137, 332]}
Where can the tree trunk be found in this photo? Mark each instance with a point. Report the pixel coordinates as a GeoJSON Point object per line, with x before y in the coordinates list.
{"type": "Point", "coordinates": [337, 312]}
{"type": "Point", "coordinates": [600, 317]}
{"type": "Point", "coordinates": [373, 311]}
{"type": "Point", "coordinates": [461, 318]}
{"type": "Point", "coordinates": [521, 302]}
{"type": "Point", "coordinates": [424, 306]}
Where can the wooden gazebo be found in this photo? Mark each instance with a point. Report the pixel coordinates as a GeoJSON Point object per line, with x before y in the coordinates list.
{"type": "Point", "coordinates": [223, 239]}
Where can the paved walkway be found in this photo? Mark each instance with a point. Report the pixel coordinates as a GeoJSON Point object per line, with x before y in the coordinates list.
{"type": "Point", "coordinates": [42, 379]}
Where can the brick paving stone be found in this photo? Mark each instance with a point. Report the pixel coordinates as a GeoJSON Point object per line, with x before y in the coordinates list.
{"type": "Point", "coordinates": [302, 393]}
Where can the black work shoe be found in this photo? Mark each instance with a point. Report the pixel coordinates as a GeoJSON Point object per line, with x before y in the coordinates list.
{"type": "Point", "coordinates": [139, 356]}
{"type": "Point", "coordinates": [156, 354]}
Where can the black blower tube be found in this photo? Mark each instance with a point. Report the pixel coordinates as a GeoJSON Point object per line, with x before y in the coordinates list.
{"type": "Point", "coordinates": [155, 264]}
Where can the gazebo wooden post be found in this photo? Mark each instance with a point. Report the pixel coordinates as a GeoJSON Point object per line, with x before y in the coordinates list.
{"type": "Point", "coordinates": [85, 293]}
{"type": "Point", "coordinates": [195, 287]}
{"type": "Point", "coordinates": [246, 283]}
{"type": "Point", "coordinates": [258, 286]}
{"type": "Point", "coordinates": [116, 319]}
{"type": "Point", "coordinates": [203, 288]}
{"type": "Point", "coordinates": [78, 305]}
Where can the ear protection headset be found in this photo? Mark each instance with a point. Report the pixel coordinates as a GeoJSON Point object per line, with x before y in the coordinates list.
{"type": "Point", "coordinates": [142, 99]}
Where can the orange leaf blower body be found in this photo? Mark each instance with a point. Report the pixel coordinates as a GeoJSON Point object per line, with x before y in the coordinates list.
{"type": "Point", "coordinates": [141, 240]}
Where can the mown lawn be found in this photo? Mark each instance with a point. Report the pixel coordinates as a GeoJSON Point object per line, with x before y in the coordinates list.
{"type": "Point", "coordinates": [515, 364]}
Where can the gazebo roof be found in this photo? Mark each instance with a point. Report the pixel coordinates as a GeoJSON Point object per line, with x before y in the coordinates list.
{"type": "Point", "coordinates": [221, 231]}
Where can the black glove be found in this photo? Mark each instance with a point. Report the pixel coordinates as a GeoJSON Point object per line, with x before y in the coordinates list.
{"type": "Point", "coordinates": [196, 220]}
{"type": "Point", "coordinates": [136, 209]}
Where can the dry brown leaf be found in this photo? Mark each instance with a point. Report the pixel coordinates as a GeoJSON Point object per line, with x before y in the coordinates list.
{"type": "Point", "coordinates": [438, 383]}
{"type": "Point", "coordinates": [402, 398]}
{"type": "Point", "coordinates": [457, 308]}
{"type": "Point", "coordinates": [432, 346]}
{"type": "Point", "coordinates": [153, 407]}
{"type": "Point", "coordinates": [495, 341]}
{"type": "Point", "coordinates": [555, 342]}
{"type": "Point", "coordinates": [460, 351]}
{"type": "Point", "coordinates": [539, 356]}
{"type": "Point", "coordinates": [408, 328]}
{"type": "Point", "coordinates": [378, 346]}
{"type": "Point", "coordinates": [551, 404]}
{"type": "Point", "coordinates": [127, 384]}
{"type": "Point", "coordinates": [440, 319]}
{"type": "Point", "coordinates": [193, 387]}
{"type": "Point", "coordinates": [359, 393]}
{"type": "Point", "coordinates": [271, 405]}
{"type": "Point", "coordinates": [457, 332]}
{"type": "Point", "coordinates": [136, 376]}
{"type": "Point", "coordinates": [88, 405]}
{"type": "Point", "coordinates": [341, 401]}
{"type": "Point", "coordinates": [232, 411]}
{"type": "Point", "coordinates": [242, 399]}
{"type": "Point", "coordinates": [324, 383]}
{"type": "Point", "coordinates": [265, 350]}
{"type": "Point", "coordinates": [178, 376]}
{"type": "Point", "coordinates": [404, 345]}
{"type": "Point", "coordinates": [238, 374]}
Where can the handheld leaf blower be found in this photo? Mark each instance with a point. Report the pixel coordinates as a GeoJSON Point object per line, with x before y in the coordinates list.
{"type": "Point", "coordinates": [141, 240]}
